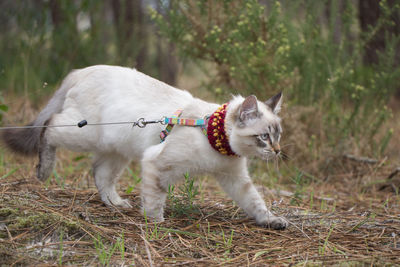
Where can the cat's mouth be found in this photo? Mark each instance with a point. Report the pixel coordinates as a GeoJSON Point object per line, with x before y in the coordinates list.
{"type": "Point", "coordinates": [269, 155]}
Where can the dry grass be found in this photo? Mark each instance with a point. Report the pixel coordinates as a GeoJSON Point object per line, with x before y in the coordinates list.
{"type": "Point", "coordinates": [338, 221]}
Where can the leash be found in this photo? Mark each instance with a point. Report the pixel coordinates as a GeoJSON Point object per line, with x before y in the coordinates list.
{"type": "Point", "coordinates": [141, 123]}
{"type": "Point", "coordinates": [212, 126]}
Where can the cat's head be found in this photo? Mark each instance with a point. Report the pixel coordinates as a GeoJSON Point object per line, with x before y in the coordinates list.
{"type": "Point", "coordinates": [255, 128]}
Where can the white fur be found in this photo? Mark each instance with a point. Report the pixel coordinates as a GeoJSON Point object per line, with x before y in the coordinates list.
{"type": "Point", "coordinates": [102, 94]}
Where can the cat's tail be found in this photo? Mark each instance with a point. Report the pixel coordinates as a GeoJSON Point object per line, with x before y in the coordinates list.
{"type": "Point", "coordinates": [23, 141]}
{"type": "Point", "coordinates": [26, 141]}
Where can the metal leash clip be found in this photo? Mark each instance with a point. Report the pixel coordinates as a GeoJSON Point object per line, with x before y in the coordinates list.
{"type": "Point", "coordinates": [141, 123]}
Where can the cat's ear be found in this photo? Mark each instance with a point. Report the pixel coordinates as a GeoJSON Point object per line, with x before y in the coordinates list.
{"type": "Point", "coordinates": [275, 103]}
{"type": "Point", "coordinates": [248, 110]}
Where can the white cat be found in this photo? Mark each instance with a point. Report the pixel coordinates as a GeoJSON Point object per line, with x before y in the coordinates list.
{"type": "Point", "coordinates": [101, 94]}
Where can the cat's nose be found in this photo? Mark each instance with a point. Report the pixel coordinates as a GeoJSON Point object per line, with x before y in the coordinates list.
{"type": "Point", "coordinates": [276, 148]}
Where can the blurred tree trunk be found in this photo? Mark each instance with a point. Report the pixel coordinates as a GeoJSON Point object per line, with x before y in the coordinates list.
{"type": "Point", "coordinates": [96, 45]}
{"type": "Point", "coordinates": [166, 60]}
{"type": "Point", "coordinates": [56, 14]}
{"type": "Point", "coordinates": [141, 36]}
{"type": "Point", "coordinates": [63, 16]}
{"type": "Point", "coordinates": [334, 10]}
{"type": "Point", "coordinates": [369, 14]}
{"type": "Point", "coordinates": [169, 67]}
{"type": "Point", "coordinates": [131, 32]}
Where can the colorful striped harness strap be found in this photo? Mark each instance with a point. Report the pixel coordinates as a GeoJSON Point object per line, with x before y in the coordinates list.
{"type": "Point", "coordinates": [175, 120]}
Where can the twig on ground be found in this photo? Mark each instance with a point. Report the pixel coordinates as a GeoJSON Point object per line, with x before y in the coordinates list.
{"type": "Point", "coordinates": [361, 159]}
{"type": "Point", "coordinates": [396, 171]}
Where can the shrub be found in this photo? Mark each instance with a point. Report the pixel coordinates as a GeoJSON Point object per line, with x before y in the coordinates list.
{"type": "Point", "coordinates": [260, 49]}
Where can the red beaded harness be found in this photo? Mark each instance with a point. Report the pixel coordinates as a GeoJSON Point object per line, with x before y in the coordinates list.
{"type": "Point", "coordinates": [216, 133]}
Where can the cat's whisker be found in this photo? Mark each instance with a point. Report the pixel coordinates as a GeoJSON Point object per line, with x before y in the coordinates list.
{"type": "Point", "coordinates": [284, 162]}
{"type": "Point", "coordinates": [286, 145]}
{"type": "Point", "coordinates": [284, 156]}
{"type": "Point", "coordinates": [277, 164]}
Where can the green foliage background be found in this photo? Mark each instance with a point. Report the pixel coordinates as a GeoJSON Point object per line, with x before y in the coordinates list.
{"type": "Point", "coordinates": [336, 98]}
{"type": "Point", "coordinates": [259, 48]}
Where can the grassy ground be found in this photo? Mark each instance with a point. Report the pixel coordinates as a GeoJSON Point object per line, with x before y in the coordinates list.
{"type": "Point", "coordinates": [349, 217]}
{"type": "Point", "coordinates": [63, 221]}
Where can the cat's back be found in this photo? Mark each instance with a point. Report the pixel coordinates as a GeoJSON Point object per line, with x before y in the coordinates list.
{"type": "Point", "coordinates": [111, 82]}
{"type": "Point", "coordinates": [104, 94]}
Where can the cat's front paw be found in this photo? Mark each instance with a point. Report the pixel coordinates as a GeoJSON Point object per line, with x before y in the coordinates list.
{"type": "Point", "coordinates": [124, 203]}
{"type": "Point", "coordinates": [274, 222]}
{"type": "Point", "coordinates": [119, 202]}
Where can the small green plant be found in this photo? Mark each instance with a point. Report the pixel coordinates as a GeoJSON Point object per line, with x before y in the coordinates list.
{"type": "Point", "coordinates": [323, 204]}
{"type": "Point", "coordinates": [146, 225]}
{"type": "Point", "coordinates": [104, 254]}
{"type": "Point", "coordinates": [184, 205]}
{"type": "Point", "coordinates": [136, 181]}
{"type": "Point", "coordinates": [298, 193]}
{"type": "Point", "coordinates": [61, 248]}
{"type": "Point", "coordinates": [3, 108]}
{"type": "Point", "coordinates": [189, 190]}
{"type": "Point", "coordinates": [227, 242]}
{"type": "Point", "coordinates": [370, 217]}
{"type": "Point", "coordinates": [3, 168]}
{"type": "Point", "coordinates": [333, 207]}
{"type": "Point", "coordinates": [323, 248]}
{"type": "Point", "coordinates": [121, 245]}
{"type": "Point", "coordinates": [8, 173]}
{"type": "Point", "coordinates": [312, 199]}
{"type": "Point", "coordinates": [153, 234]}
{"type": "Point", "coordinates": [385, 141]}
{"type": "Point", "coordinates": [59, 180]}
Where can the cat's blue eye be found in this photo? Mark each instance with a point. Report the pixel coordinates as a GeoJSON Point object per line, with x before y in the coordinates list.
{"type": "Point", "coordinates": [264, 137]}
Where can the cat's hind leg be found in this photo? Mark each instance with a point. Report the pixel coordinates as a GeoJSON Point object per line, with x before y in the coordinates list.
{"type": "Point", "coordinates": [107, 168]}
{"type": "Point", "coordinates": [47, 158]}
{"type": "Point", "coordinates": [156, 176]}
